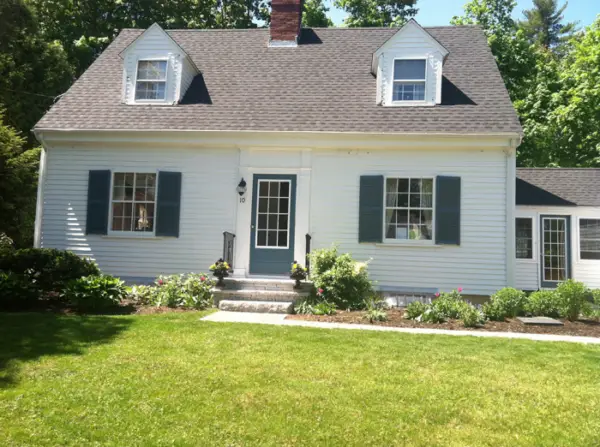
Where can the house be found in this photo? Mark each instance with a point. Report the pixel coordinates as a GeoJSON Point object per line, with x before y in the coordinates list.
{"type": "Point", "coordinates": [557, 227]}
{"type": "Point", "coordinates": [178, 147]}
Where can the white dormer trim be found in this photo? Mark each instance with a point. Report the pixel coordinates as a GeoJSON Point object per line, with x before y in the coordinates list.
{"type": "Point", "coordinates": [156, 44]}
{"type": "Point", "coordinates": [411, 42]}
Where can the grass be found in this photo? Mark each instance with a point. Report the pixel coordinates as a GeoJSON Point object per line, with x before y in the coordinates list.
{"type": "Point", "coordinates": [173, 380]}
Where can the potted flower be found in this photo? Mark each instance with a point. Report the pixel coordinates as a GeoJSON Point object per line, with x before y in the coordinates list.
{"type": "Point", "coordinates": [220, 270]}
{"type": "Point", "coordinates": [298, 273]}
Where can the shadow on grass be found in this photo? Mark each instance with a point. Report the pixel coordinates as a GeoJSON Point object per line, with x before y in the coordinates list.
{"type": "Point", "coordinates": [29, 336]}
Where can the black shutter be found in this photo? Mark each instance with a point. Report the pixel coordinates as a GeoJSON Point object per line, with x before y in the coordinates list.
{"type": "Point", "coordinates": [168, 203]}
{"type": "Point", "coordinates": [447, 210]}
{"type": "Point", "coordinates": [98, 202]}
{"type": "Point", "coordinates": [370, 209]}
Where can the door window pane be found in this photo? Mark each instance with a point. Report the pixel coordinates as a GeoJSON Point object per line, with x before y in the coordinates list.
{"type": "Point", "coordinates": [273, 213]}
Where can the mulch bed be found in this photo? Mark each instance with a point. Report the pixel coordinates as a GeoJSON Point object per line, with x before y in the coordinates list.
{"type": "Point", "coordinates": [589, 328]}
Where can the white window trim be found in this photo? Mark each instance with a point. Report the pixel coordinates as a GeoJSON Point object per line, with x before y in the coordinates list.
{"type": "Point", "coordinates": [393, 80]}
{"type": "Point", "coordinates": [578, 239]}
{"type": "Point", "coordinates": [255, 223]}
{"type": "Point", "coordinates": [166, 81]}
{"type": "Point", "coordinates": [533, 231]}
{"type": "Point", "coordinates": [131, 234]}
{"type": "Point", "coordinates": [409, 242]}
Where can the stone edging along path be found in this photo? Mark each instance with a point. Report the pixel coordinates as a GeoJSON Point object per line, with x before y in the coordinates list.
{"type": "Point", "coordinates": [279, 320]}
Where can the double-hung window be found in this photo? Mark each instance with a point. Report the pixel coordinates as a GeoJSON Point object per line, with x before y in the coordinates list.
{"type": "Point", "coordinates": [409, 208]}
{"type": "Point", "coordinates": [524, 237]}
{"type": "Point", "coordinates": [133, 202]}
{"type": "Point", "coordinates": [151, 80]}
{"type": "Point", "coordinates": [589, 238]}
{"type": "Point", "coordinates": [409, 80]}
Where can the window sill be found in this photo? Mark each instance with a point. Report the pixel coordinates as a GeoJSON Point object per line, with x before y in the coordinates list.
{"type": "Point", "coordinates": [411, 104]}
{"type": "Point", "coordinates": [132, 236]}
{"type": "Point", "coordinates": [407, 243]}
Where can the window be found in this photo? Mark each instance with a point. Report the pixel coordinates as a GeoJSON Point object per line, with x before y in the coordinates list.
{"type": "Point", "coordinates": [589, 238]}
{"type": "Point", "coordinates": [524, 237]}
{"type": "Point", "coordinates": [151, 81]}
{"type": "Point", "coordinates": [273, 212]}
{"type": "Point", "coordinates": [409, 208]}
{"type": "Point", "coordinates": [409, 80]}
{"type": "Point", "coordinates": [133, 202]}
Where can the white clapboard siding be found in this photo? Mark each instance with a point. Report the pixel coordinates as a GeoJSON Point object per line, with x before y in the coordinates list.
{"type": "Point", "coordinates": [478, 264]}
{"type": "Point", "coordinates": [527, 272]}
{"type": "Point", "coordinates": [207, 208]}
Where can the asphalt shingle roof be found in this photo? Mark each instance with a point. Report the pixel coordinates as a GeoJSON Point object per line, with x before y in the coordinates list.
{"type": "Point", "coordinates": [325, 84]}
{"type": "Point", "coordinates": [558, 186]}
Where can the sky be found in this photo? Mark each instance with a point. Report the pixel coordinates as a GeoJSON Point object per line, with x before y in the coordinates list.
{"type": "Point", "coordinates": [439, 12]}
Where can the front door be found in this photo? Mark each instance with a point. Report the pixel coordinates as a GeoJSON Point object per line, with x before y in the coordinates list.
{"type": "Point", "coordinates": [273, 222]}
{"type": "Point", "coordinates": [555, 250]}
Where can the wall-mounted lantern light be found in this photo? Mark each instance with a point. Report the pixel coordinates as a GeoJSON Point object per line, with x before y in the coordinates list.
{"type": "Point", "coordinates": [241, 187]}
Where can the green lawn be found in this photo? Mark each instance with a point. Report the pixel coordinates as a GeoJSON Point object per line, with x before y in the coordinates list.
{"type": "Point", "coordinates": [173, 380]}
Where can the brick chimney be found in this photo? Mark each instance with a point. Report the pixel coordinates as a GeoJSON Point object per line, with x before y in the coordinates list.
{"type": "Point", "coordinates": [286, 19]}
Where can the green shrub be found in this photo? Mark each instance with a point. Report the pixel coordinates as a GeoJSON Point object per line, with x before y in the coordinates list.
{"type": "Point", "coordinates": [51, 269]}
{"type": "Point", "coordinates": [6, 245]}
{"type": "Point", "coordinates": [190, 291]}
{"type": "Point", "coordinates": [17, 292]}
{"type": "Point", "coordinates": [450, 305]}
{"type": "Point", "coordinates": [574, 298]}
{"type": "Point", "coordinates": [376, 315]}
{"type": "Point", "coordinates": [544, 303]}
{"type": "Point", "coordinates": [142, 295]}
{"type": "Point", "coordinates": [472, 316]}
{"type": "Point", "coordinates": [505, 303]}
{"type": "Point", "coordinates": [307, 307]}
{"type": "Point", "coordinates": [414, 310]}
{"type": "Point", "coordinates": [339, 279]}
{"type": "Point", "coordinates": [324, 308]}
{"type": "Point", "coordinates": [431, 315]}
{"type": "Point", "coordinates": [95, 293]}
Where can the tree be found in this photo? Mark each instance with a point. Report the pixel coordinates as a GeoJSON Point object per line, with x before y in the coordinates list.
{"type": "Point", "coordinates": [314, 15]}
{"type": "Point", "coordinates": [86, 27]}
{"type": "Point", "coordinates": [576, 117]}
{"type": "Point", "coordinates": [543, 24]}
{"type": "Point", "coordinates": [513, 53]}
{"type": "Point", "coordinates": [377, 12]}
{"type": "Point", "coordinates": [32, 72]}
{"type": "Point", "coordinates": [18, 180]}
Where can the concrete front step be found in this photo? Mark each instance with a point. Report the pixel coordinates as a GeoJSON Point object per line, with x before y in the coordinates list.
{"type": "Point", "coordinates": [264, 307]}
{"type": "Point", "coordinates": [258, 295]}
{"type": "Point", "coordinates": [274, 284]}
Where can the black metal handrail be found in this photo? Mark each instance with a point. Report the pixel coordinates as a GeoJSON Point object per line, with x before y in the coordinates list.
{"type": "Point", "coordinates": [307, 259]}
{"type": "Point", "coordinates": [228, 243]}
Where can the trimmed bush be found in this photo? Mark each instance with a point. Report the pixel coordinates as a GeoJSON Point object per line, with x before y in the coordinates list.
{"type": "Point", "coordinates": [95, 293]}
{"type": "Point", "coordinates": [17, 292]}
{"type": "Point", "coordinates": [505, 303]}
{"type": "Point", "coordinates": [544, 303]}
{"type": "Point", "coordinates": [339, 279]}
{"type": "Point", "coordinates": [50, 269]}
{"type": "Point", "coordinates": [574, 298]}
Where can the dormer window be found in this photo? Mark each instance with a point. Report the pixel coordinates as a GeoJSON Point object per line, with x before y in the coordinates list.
{"type": "Point", "coordinates": [151, 80]}
{"type": "Point", "coordinates": [409, 80]}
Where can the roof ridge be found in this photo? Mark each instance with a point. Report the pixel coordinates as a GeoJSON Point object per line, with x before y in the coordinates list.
{"type": "Point", "coordinates": [329, 28]}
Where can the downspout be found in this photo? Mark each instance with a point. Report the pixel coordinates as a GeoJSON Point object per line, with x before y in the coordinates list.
{"type": "Point", "coordinates": [39, 205]}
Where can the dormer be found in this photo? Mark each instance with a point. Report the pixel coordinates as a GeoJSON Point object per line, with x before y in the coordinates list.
{"type": "Point", "coordinates": [408, 67]}
{"type": "Point", "coordinates": [156, 70]}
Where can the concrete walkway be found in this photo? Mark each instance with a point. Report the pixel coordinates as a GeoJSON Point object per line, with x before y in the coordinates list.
{"type": "Point", "coordinates": [279, 320]}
